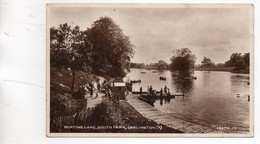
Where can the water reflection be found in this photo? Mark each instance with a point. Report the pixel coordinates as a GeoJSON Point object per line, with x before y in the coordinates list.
{"type": "Point", "coordinates": [209, 100]}
{"type": "Point", "coordinates": [166, 100]}
{"type": "Point", "coordinates": [183, 80]}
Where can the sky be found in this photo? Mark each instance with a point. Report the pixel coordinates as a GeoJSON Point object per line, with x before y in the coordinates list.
{"type": "Point", "coordinates": [156, 32]}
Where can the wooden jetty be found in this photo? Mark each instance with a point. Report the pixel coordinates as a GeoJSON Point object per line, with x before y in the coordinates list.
{"type": "Point", "coordinates": [150, 101]}
{"type": "Point", "coordinates": [156, 95]}
{"type": "Point", "coordinates": [163, 96]}
{"type": "Point", "coordinates": [163, 118]}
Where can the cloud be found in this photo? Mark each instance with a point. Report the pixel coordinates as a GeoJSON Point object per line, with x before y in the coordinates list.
{"type": "Point", "coordinates": [210, 32]}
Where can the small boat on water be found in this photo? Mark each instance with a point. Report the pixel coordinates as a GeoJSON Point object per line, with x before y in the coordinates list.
{"type": "Point", "coordinates": [142, 72]}
{"type": "Point", "coordinates": [240, 95]}
{"type": "Point", "coordinates": [135, 81]}
{"type": "Point", "coordinates": [154, 71]}
{"type": "Point", "coordinates": [162, 78]}
{"type": "Point", "coordinates": [138, 92]}
{"type": "Point", "coordinates": [194, 77]}
{"type": "Point", "coordinates": [190, 78]}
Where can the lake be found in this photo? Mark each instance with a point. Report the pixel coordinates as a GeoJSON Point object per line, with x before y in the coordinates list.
{"type": "Point", "coordinates": [210, 100]}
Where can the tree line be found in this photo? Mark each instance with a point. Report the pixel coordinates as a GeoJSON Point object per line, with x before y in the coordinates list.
{"type": "Point", "coordinates": [183, 60]}
{"type": "Point", "coordinates": [102, 49]}
{"type": "Point", "coordinates": [236, 60]}
{"type": "Point", "coordinates": [158, 65]}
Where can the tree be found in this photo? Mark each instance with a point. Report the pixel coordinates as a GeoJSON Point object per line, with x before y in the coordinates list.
{"type": "Point", "coordinates": [246, 58]}
{"type": "Point", "coordinates": [238, 57]}
{"type": "Point", "coordinates": [240, 65]}
{"type": "Point", "coordinates": [206, 62]}
{"type": "Point", "coordinates": [112, 49]}
{"type": "Point", "coordinates": [182, 59]}
{"type": "Point", "coordinates": [69, 48]}
{"type": "Point", "coordinates": [161, 64]}
{"type": "Point", "coordinates": [233, 58]}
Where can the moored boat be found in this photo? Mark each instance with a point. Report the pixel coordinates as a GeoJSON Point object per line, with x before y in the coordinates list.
{"type": "Point", "coordinates": [135, 81]}
{"type": "Point", "coordinates": [162, 78]}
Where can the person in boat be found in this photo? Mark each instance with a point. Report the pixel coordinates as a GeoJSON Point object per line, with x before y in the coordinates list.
{"type": "Point", "coordinates": [165, 89]}
{"type": "Point", "coordinates": [161, 92]}
{"type": "Point", "coordinates": [141, 90]}
{"type": "Point", "coordinates": [151, 89]}
{"type": "Point", "coordinates": [148, 90]}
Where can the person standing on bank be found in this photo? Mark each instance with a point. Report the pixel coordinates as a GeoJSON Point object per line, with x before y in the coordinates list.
{"type": "Point", "coordinates": [98, 86]}
{"type": "Point", "coordinates": [91, 91]}
{"type": "Point", "coordinates": [165, 89]}
{"type": "Point", "coordinates": [151, 90]}
{"type": "Point", "coordinates": [168, 93]}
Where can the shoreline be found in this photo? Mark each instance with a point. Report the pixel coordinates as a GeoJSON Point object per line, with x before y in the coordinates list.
{"type": "Point", "coordinates": [222, 69]}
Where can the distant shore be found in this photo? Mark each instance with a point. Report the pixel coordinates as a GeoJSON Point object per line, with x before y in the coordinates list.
{"type": "Point", "coordinates": [226, 69]}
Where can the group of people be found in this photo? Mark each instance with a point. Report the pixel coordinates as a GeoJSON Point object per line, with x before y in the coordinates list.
{"type": "Point", "coordinates": [91, 86]}
{"type": "Point", "coordinates": [166, 91]}
{"type": "Point", "coordinates": [150, 91]}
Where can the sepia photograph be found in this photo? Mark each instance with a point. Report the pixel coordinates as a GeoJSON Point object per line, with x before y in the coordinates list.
{"type": "Point", "coordinates": [150, 70]}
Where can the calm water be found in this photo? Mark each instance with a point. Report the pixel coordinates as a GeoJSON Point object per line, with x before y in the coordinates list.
{"type": "Point", "coordinates": [210, 100]}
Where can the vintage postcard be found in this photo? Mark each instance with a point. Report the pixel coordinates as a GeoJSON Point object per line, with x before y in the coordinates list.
{"type": "Point", "coordinates": [150, 70]}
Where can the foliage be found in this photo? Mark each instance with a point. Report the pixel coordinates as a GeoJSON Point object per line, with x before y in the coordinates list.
{"type": "Point", "coordinates": [238, 57]}
{"type": "Point", "coordinates": [246, 58]}
{"type": "Point", "coordinates": [206, 62]}
{"type": "Point", "coordinates": [182, 59]}
{"type": "Point", "coordinates": [240, 65]}
{"type": "Point", "coordinates": [137, 65]}
{"type": "Point", "coordinates": [112, 49]}
{"type": "Point", "coordinates": [69, 48]}
{"type": "Point", "coordinates": [161, 64]}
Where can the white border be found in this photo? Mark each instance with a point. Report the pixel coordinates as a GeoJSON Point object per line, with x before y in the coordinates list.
{"type": "Point", "coordinates": [23, 107]}
{"type": "Point", "coordinates": [156, 5]}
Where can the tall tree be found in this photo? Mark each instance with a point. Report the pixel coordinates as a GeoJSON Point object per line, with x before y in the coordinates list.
{"type": "Point", "coordinates": [240, 65]}
{"type": "Point", "coordinates": [69, 48]}
{"type": "Point", "coordinates": [206, 62]}
{"type": "Point", "coordinates": [182, 59]}
{"type": "Point", "coordinates": [112, 49]}
{"type": "Point", "coordinates": [233, 58]}
{"type": "Point", "coordinates": [246, 58]}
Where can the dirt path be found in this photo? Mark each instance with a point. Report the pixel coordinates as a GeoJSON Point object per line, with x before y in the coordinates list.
{"type": "Point", "coordinates": [94, 100]}
{"type": "Point", "coordinates": [161, 118]}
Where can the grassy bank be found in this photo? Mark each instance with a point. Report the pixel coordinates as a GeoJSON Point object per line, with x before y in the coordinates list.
{"type": "Point", "coordinates": [64, 107]}
{"type": "Point", "coordinates": [120, 117]}
{"type": "Point", "coordinates": [68, 114]}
